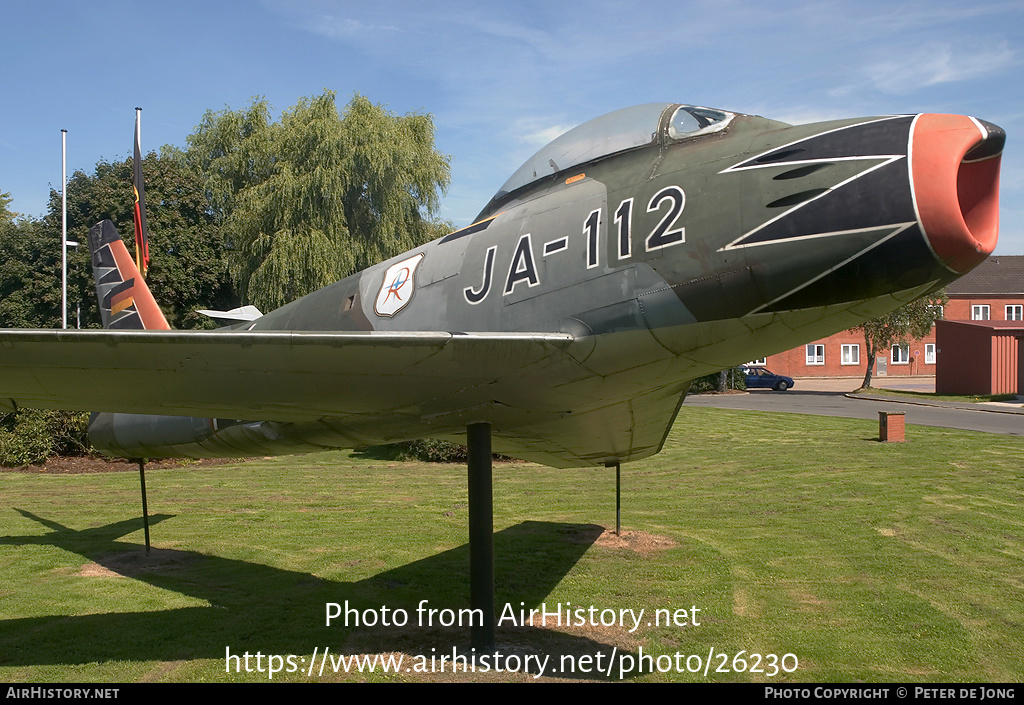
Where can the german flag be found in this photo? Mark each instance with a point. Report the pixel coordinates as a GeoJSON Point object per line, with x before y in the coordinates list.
{"type": "Point", "coordinates": [141, 231]}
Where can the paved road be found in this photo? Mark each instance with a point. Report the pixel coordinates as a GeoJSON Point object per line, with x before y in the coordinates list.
{"type": "Point", "coordinates": [964, 416]}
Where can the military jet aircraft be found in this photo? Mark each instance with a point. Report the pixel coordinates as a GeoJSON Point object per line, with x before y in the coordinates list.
{"type": "Point", "coordinates": [630, 255]}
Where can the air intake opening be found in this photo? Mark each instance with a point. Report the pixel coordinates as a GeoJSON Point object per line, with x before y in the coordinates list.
{"type": "Point", "coordinates": [977, 190]}
{"type": "Point", "coordinates": [955, 180]}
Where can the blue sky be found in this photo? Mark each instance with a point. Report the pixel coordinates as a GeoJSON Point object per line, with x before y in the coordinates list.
{"type": "Point", "coordinates": [500, 79]}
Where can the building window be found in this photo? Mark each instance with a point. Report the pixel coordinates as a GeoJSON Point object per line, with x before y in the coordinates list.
{"type": "Point", "coordinates": [815, 354]}
{"type": "Point", "coordinates": [759, 361]}
{"type": "Point", "coordinates": [979, 312]}
{"type": "Point", "coordinates": [1015, 313]}
{"type": "Point", "coordinates": [937, 311]}
{"type": "Point", "coordinates": [929, 353]}
{"type": "Point", "coordinates": [851, 355]}
{"type": "Point", "coordinates": [900, 354]}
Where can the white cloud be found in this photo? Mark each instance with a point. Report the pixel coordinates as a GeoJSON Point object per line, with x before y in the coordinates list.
{"type": "Point", "coordinates": [544, 135]}
{"type": "Point", "coordinates": [803, 115]}
{"type": "Point", "coordinates": [936, 63]}
{"type": "Point", "coordinates": [525, 136]}
{"type": "Point", "coordinates": [342, 27]}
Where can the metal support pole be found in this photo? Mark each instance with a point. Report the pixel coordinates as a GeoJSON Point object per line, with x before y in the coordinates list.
{"type": "Point", "coordinates": [481, 534]}
{"type": "Point", "coordinates": [618, 496]}
{"type": "Point", "coordinates": [145, 508]}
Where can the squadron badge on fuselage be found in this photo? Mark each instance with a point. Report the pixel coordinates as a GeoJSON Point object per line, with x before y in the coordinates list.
{"type": "Point", "coordinates": [398, 286]}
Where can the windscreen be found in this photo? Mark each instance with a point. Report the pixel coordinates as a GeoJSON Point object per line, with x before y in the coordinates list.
{"type": "Point", "coordinates": [608, 134]}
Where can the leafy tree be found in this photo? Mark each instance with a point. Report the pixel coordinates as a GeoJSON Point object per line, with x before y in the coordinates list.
{"type": "Point", "coordinates": [188, 269]}
{"type": "Point", "coordinates": [29, 272]}
{"type": "Point", "coordinates": [911, 321]}
{"type": "Point", "coordinates": [30, 293]}
{"type": "Point", "coordinates": [187, 266]}
{"type": "Point", "coordinates": [318, 195]}
{"type": "Point", "coordinates": [6, 216]}
{"type": "Point", "coordinates": [232, 151]}
{"type": "Point", "coordinates": [30, 297]}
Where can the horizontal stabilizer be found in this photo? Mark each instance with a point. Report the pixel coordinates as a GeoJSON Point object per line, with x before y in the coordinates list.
{"type": "Point", "coordinates": [242, 313]}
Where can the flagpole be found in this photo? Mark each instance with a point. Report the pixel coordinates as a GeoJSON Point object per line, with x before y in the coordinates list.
{"type": "Point", "coordinates": [64, 229]}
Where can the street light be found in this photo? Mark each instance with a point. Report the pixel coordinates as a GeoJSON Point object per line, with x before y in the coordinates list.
{"type": "Point", "coordinates": [65, 243]}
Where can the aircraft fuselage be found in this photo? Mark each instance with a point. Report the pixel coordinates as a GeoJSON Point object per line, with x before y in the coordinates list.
{"type": "Point", "coordinates": [663, 262]}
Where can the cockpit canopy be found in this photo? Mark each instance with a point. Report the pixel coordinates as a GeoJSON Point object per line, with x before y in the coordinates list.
{"type": "Point", "coordinates": [616, 132]}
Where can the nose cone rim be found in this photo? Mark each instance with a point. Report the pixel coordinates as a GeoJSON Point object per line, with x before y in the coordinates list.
{"type": "Point", "coordinates": [954, 166]}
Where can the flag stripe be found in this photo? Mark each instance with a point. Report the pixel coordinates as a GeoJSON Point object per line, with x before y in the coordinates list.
{"type": "Point", "coordinates": [141, 231]}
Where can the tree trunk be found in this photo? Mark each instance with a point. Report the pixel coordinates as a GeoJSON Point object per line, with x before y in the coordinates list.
{"type": "Point", "coordinates": [871, 361]}
{"type": "Point", "coordinates": [722, 381]}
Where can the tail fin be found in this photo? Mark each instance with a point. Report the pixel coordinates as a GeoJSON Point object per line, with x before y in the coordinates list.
{"type": "Point", "coordinates": [125, 300]}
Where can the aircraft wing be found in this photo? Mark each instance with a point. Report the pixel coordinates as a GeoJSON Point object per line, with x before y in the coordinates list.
{"type": "Point", "coordinates": [280, 376]}
{"type": "Point", "coordinates": [377, 386]}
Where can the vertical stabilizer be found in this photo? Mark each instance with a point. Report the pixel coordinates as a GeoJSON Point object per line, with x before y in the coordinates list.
{"type": "Point", "coordinates": [125, 301]}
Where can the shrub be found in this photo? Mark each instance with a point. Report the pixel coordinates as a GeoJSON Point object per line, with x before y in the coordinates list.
{"type": "Point", "coordinates": [734, 379]}
{"type": "Point", "coordinates": [432, 450]}
{"type": "Point", "coordinates": [30, 436]}
{"type": "Point", "coordinates": [428, 450]}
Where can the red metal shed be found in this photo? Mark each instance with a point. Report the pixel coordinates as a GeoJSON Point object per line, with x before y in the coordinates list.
{"type": "Point", "coordinates": [978, 357]}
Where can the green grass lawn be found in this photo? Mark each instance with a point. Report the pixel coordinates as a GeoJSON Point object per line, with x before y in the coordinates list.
{"type": "Point", "coordinates": [791, 534]}
{"type": "Point", "coordinates": [932, 396]}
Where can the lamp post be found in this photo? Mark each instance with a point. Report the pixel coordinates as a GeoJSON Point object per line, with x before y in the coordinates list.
{"type": "Point", "coordinates": [65, 243]}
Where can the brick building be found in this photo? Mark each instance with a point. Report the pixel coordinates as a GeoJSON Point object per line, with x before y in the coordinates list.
{"type": "Point", "coordinates": [993, 291]}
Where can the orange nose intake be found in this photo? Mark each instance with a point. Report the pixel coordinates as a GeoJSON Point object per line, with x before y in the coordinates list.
{"type": "Point", "coordinates": [954, 163]}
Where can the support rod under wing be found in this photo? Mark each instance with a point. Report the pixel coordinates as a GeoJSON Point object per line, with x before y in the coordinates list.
{"type": "Point", "coordinates": [481, 534]}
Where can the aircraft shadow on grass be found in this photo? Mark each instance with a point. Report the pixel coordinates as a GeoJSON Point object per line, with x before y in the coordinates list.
{"type": "Point", "coordinates": [259, 608]}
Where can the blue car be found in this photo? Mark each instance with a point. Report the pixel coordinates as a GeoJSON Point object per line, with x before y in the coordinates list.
{"type": "Point", "coordinates": [763, 378]}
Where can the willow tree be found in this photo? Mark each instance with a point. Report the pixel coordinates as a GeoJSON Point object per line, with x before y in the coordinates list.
{"type": "Point", "coordinates": [318, 195]}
